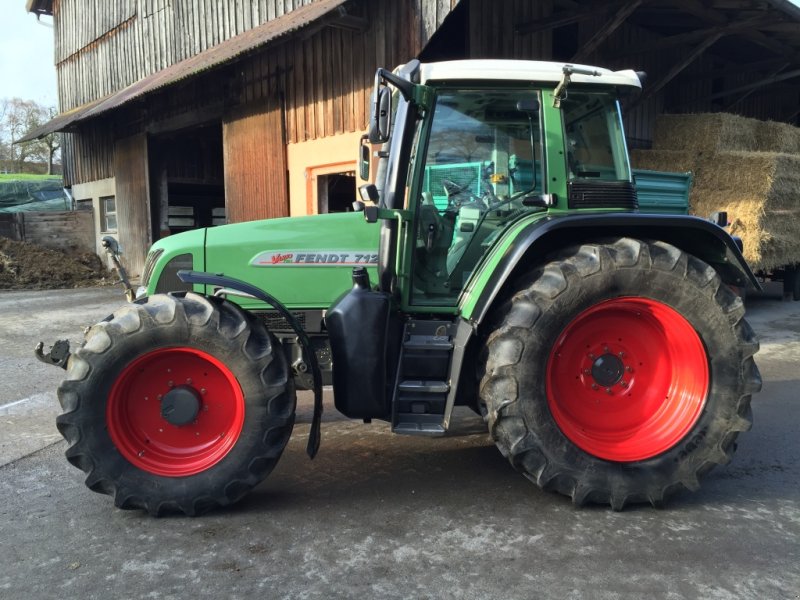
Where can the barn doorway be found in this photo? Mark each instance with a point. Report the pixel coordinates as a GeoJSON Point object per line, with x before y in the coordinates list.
{"type": "Point", "coordinates": [186, 180]}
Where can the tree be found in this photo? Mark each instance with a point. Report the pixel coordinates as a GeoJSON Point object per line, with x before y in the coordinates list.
{"type": "Point", "coordinates": [17, 118]}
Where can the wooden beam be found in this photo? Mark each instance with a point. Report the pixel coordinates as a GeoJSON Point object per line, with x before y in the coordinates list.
{"type": "Point", "coordinates": [747, 93]}
{"type": "Point", "coordinates": [605, 32]}
{"type": "Point", "coordinates": [737, 69]}
{"type": "Point", "coordinates": [692, 36]}
{"type": "Point", "coordinates": [676, 69]}
{"type": "Point", "coordinates": [563, 18]}
{"type": "Point", "coordinates": [700, 10]}
{"type": "Point", "coordinates": [754, 85]}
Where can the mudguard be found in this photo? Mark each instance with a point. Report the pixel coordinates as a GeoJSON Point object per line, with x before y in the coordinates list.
{"type": "Point", "coordinates": [693, 235]}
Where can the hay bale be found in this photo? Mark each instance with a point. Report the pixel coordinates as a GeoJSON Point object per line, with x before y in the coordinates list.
{"type": "Point", "coordinates": [762, 198]}
{"type": "Point", "coordinates": [664, 160]}
{"type": "Point", "coordinates": [772, 136]}
{"type": "Point", "coordinates": [760, 191]}
{"type": "Point", "coordinates": [723, 132]}
{"type": "Point", "coordinates": [709, 132]}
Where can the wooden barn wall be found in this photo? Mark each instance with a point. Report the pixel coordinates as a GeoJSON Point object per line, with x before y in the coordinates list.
{"type": "Point", "coordinates": [327, 78]}
{"type": "Point", "coordinates": [133, 200]}
{"type": "Point", "coordinates": [88, 154]}
{"type": "Point", "coordinates": [491, 30]}
{"type": "Point", "coordinates": [776, 103]}
{"type": "Point", "coordinates": [254, 151]}
{"type": "Point", "coordinates": [126, 40]}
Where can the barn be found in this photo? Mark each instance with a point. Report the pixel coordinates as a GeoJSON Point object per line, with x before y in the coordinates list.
{"type": "Point", "coordinates": [180, 114]}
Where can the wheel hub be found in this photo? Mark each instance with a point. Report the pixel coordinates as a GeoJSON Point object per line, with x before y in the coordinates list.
{"type": "Point", "coordinates": [627, 379]}
{"type": "Point", "coordinates": [180, 405]}
{"type": "Point", "coordinates": [607, 370]}
{"type": "Point", "coordinates": [175, 429]}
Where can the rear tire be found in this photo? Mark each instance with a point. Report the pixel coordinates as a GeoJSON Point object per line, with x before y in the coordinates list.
{"type": "Point", "coordinates": [582, 354]}
{"type": "Point", "coordinates": [180, 403]}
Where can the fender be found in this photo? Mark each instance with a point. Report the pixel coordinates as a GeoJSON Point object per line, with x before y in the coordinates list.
{"type": "Point", "coordinates": [309, 354]}
{"type": "Point", "coordinates": [693, 235]}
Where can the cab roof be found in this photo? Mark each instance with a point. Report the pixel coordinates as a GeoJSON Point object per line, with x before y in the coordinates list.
{"type": "Point", "coordinates": [521, 70]}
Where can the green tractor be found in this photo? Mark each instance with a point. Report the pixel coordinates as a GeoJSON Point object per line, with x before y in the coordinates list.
{"type": "Point", "coordinates": [498, 262]}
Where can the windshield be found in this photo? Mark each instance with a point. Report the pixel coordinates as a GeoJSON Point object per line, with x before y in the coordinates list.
{"type": "Point", "coordinates": [594, 137]}
{"type": "Point", "coordinates": [482, 168]}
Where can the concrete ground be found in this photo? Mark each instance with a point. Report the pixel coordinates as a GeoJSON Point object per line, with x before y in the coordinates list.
{"type": "Point", "coordinates": [383, 516]}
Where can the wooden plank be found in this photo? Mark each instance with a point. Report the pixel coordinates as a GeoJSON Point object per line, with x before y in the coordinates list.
{"type": "Point", "coordinates": [297, 75]}
{"type": "Point", "coordinates": [337, 73]}
{"type": "Point", "coordinates": [255, 163]}
{"type": "Point", "coordinates": [133, 200]}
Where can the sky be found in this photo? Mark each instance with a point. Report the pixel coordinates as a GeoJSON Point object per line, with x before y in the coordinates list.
{"type": "Point", "coordinates": [27, 68]}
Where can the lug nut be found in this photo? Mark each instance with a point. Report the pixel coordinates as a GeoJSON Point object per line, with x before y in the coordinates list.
{"type": "Point", "coordinates": [594, 386]}
{"type": "Point", "coordinates": [608, 391]}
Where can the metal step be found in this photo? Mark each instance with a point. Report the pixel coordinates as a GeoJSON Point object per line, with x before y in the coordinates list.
{"type": "Point", "coordinates": [419, 427]}
{"type": "Point", "coordinates": [420, 397]}
{"type": "Point", "coordinates": [424, 387]}
{"type": "Point", "coordinates": [428, 342]}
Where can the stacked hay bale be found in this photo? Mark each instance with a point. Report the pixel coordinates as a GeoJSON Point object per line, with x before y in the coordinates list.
{"type": "Point", "coordinates": [747, 167]}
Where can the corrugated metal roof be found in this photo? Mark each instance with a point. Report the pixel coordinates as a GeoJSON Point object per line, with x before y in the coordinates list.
{"type": "Point", "coordinates": [215, 56]}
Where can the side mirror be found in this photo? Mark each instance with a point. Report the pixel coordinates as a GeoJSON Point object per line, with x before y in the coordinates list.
{"type": "Point", "coordinates": [364, 155]}
{"type": "Point", "coordinates": [381, 120]}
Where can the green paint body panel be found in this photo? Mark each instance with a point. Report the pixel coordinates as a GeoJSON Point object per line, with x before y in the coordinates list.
{"type": "Point", "coordinates": [231, 250]}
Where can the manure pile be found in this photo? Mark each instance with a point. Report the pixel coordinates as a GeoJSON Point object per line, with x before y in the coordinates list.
{"type": "Point", "coordinates": [25, 266]}
{"type": "Point", "coordinates": [747, 167]}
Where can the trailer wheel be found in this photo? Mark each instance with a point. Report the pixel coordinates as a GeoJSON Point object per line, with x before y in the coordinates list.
{"type": "Point", "coordinates": [620, 372]}
{"type": "Point", "coordinates": [180, 403]}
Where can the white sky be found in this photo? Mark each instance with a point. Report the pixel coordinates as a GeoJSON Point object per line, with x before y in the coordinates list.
{"type": "Point", "coordinates": [27, 68]}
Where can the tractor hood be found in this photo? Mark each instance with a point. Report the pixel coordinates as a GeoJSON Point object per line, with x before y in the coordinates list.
{"type": "Point", "coordinates": [305, 262]}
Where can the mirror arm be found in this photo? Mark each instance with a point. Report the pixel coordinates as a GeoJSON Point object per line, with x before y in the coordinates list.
{"type": "Point", "coordinates": [405, 87]}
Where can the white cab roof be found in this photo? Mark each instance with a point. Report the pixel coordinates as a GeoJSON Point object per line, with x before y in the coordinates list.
{"type": "Point", "coordinates": [522, 70]}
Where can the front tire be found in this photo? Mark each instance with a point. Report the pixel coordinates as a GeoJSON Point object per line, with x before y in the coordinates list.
{"type": "Point", "coordinates": [180, 403]}
{"type": "Point", "coordinates": [620, 372]}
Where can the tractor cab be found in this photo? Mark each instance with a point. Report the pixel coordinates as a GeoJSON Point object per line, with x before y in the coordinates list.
{"type": "Point", "coordinates": [484, 145]}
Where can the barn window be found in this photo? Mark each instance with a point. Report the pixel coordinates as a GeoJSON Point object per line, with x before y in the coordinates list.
{"type": "Point", "coordinates": [108, 213]}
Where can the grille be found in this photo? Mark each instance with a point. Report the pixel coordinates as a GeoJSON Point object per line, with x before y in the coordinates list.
{"type": "Point", "coordinates": [149, 265]}
{"type": "Point", "coordinates": [276, 322]}
{"type": "Point", "coordinates": [602, 194]}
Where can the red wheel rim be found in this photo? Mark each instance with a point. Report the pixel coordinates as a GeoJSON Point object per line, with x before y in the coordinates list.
{"type": "Point", "coordinates": [627, 379]}
{"type": "Point", "coordinates": [154, 444]}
